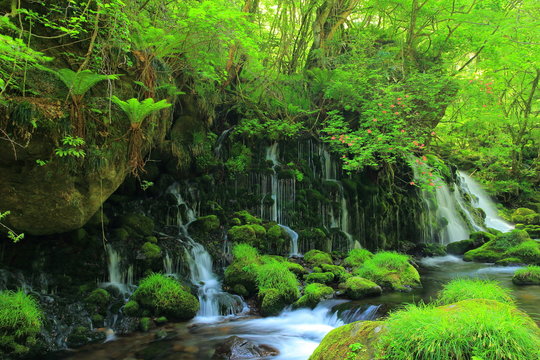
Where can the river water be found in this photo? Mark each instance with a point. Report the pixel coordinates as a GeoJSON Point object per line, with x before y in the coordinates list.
{"type": "Point", "coordinates": [296, 333]}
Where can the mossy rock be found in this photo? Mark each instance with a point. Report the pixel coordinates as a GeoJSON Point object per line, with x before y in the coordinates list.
{"type": "Point", "coordinates": [241, 290]}
{"type": "Point", "coordinates": [357, 257]}
{"type": "Point", "coordinates": [313, 294]}
{"type": "Point", "coordinates": [242, 234]}
{"type": "Point", "coordinates": [235, 222]}
{"type": "Point", "coordinates": [145, 323]}
{"type": "Point", "coordinates": [151, 251]}
{"type": "Point", "coordinates": [98, 320]}
{"type": "Point", "coordinates": [357, 287]}
{"type": "Point", "coordinates": [206, 224]}
{"type": "Point", "coordinates": [246, 218]}
{"type": "Point", "coordinates": [481, 237]}
{"type": "Point", "coordinates": [339, 272]}
{"type": "Point", "coordinates": [485, 253]}
{"type": "Point", "coordinates": [151, 239]}
{"type": "Point", "coordinates": [239, 273]}
{"type": "Point", "coordinates": [98, 300]}
{"type": "Point", "coordinates": [317, 258]}
{"type": "Point", "coordinates": [516, 244]}
{"type": "Point", "coordinates": [165, 296]}
{"type": "Point", "coordinates": [529, 275]}
{"type": "Point", "coordinates": [272, 302]}
{"type": "Point", "coordinates": [322, 278]}
{"type": "Point", "coordinates": [510, 261]}
{"type": "Point", "coordinates": [120, 234]}
{"type": "Point", "coordinates": [131, 308]}
{"type": "Point", "coordinates": [337, 343]}
{"type": "Point", "coordinates": [390, 270]}
{"type": "Point", "coordinates": [525, 216]}
{"type": "Point", "coordinates": [81, 336]}
{"type": "Point", "coordinates": [295, 268]}
{"type": "Point", "coordinates": [528, 252]}
{"type": "Point", "coordinates": [460, 247]}
{"type": "Point", "coordinates": [532, 230]}
{"type": "Point", "coordinates": [138, 225]}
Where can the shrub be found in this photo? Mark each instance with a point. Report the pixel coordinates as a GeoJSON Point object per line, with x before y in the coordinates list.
{"type": "Point", "coordinates": [485, 329]}
{"type": "Point", "coordinates": [390, 269]}
{"type": "Point", "coordinates": [317, 257]}
{"type": "Point", "coordinates": [165, 296]}
{"type": "Point", "coordinates": [357, 257]}
{"type": "Point", "coordinates": [20, 322]}
{"type": "Point", "coordinates": [313, 294]}
{"type": "Point", "coordinates": [465, 289]}
{"type": "Point", "coordinates": [529, 275]}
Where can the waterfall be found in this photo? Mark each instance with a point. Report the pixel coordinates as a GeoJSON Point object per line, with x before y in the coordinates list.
{"type": "Point", "coordinates": [213, 300]}
{"type": "Point", "coordinates": [219, 143]}
{"type": "Point", "coordinates": [294, 240]}
{"type": "Point", "coordinates": [481, 199]}
{"type": "Point", "coordinates": [456, 228]}
{"type": "Point", "coordinates": [119, 277]}
{"type": "Point", "coordinates": [272, 155]}
{"type": "Point", "coordinates": [466, 210]}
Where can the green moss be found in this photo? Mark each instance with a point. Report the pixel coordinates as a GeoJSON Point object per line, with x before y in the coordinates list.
{"type": "Point", "coordinates": [151, 239]}
{"type": "Point", "coordinates": [249, 234]}
{"type": "Point", "coordinates": [322, 278]}
{"type": "Point", "coordinates": [98, 300]}
{"type": "Point", "coordinates": [272, 302]}
{"type": "Point", "coordinates": [151, 251]}
{"type": "Point", "coordinates": [241, 273]}
{"type": "Point", "coordinates": [161, 320]}
{"type": "Point", "coordinates": [131, 308]}
{"type": "Point", "coordinates": [509, 261]}
{"type": "Point", "coordinates": [481, 237]}
{"type": "Point", "coordinates": [390, 270]}
{"type": "Point", "coordinates": [297, 269]}
{"type": "Point", "coordinates": [240, 290]}
{"type": "Point", "coordinates": [460, 247]}
{"type": "Point", "coordinates": [235, 222]}
{"type": "Point", "coordinates": [247, 218]}
{"type": "Point", "coordinates": [317, 257]}
{"type": "Point", "coordinates": [81, 336]}
{"type": "Point", "coordinates": [465, 289]}
{"type": "Point", "coordinates": [313, 294]}
{"type": "Point", "coordinates": [521, 215]}
{"type": "Point", "coordinates": [97, 320]}
{"type": "Point", "coordinates": [120, 234]}
{"type": "Point", "coordinates": [137, 225]}
{"type": "Point", "coordinates": [165, 296]}
{"type": "Point", "coordinates": [313, 237]}
{"type": "Point", "coordinates": [514, 244]}
{"type": "Point", "coordinates": [485, 253]}
{"type": "Point", "coordinates": [277, 276]}
{"type": "Point", "coordinates": [483, 329]}
{"type": "Point", "coordinates": [206, 224]}
{"type": "Point", "coordinates": [145, 323]}
{"type": "Point", "coordinates": [339, 272]}
{"type": "Point", "coordinates": [244, 252]}
{"type": "Point", "coordinates": [337, 343]}
{"type": "Point", "coordinates": [275, 233]}
{"type": "Point", "coordinates": [528, 252]}
{"type": "Point", "coordinates": [20, 323]}
{"type": "Point", "coordinates": [357, 287]}
{"type": "Point", "coordinates": [357, 257]}
{"type": "Point", "coordinates": [529, 275]}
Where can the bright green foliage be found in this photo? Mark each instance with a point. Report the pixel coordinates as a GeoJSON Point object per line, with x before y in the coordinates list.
{"type": "Point", "coordinates": [79, 83]}
{"type": "Point", "coordinates": [277, 276]}
{"type": "Point", "coordinates": [247, 218]}
{"type": "Point", "coordinates": [137, 111]}
{"type": "Point", "coordinates": [165, 296]}
{"type": "Point", "coordinates": [357, 288]}
{"type": "Point", "coordinates": [295, 268]}
{"type": "Point", "coordinates": [464, 289]}
{"type": "Point", "coordinates": [244, 252]}
{"type": "Point", "coordinates": [71, 147]}
{"type": "Point", "coordinates": [317, 257]}
{"type": "Point", "coordinates": [357, 257]}
{"type": "Point", "coordinates": [20, 322]}
{"type": "Point", "coordinates": [11, 234]}
{"type": "Point", "coordinates": [483, 328]}
{"type": "Point", "coordinates": [313, 294]}
{"type": "Point", "coordinates": [514, 244]}
{"type": "Point", "coordinates": [529, 275]}
{"type": "Point", "coordinates": [391, 270]}
{"type": "Point", "coordinates": [339, 271]}
{"type": "Point", "coordinates": [527, 251]}
{"type": "Point", "coordinates": [319, 277]}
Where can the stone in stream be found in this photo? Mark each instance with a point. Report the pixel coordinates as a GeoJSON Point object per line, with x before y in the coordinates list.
{"type": "Point", "coordinates": [236, 348]}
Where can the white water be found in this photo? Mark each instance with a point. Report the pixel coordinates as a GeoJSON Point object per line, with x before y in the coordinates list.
{"type": "Point", "coordinates": [482, 200]}
{"type": "Point", "coordinates": [456, 229]}
{"type": "Point", "coordinates": [272, 153]}
{"type": "Point", "coordinates": [214, 302]}
{"type": "Point", "coordinates": [437, 261]}
{"type": "Point", "coordinates": [294, 240]}
{"type": "Point", "coordinates": [120, 278]}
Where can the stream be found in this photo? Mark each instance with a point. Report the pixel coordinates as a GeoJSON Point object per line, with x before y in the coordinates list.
{"type": "Point", "coordinates": [296, 333]}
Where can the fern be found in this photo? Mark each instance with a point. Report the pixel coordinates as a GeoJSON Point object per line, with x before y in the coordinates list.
{"type": "Point", "coordinates": [137, 111]}
{"type": "Point", "coordinates": [80, 82]}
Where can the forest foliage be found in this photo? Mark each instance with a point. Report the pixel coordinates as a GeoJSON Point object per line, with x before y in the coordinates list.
{"type": "Point", "coordinates": [378, 81]}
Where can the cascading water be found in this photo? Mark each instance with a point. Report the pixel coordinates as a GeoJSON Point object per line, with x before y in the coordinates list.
{"type": "Point", "coordinates": [456, 228]}
{"type": "Point", "coordinates": [214, 302]}
{"type": "Point", "coordinates": [480, 199]}
{"type": "Point", "coordinates": [120, 278]}
{"type": "Point", "coordinates": [294, 240]}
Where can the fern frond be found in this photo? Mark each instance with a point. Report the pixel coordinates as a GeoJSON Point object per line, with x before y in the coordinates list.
{"type": "Point", "coordinates": [80, 82]}
{"type": "Point", "coordinates": [137, 111]}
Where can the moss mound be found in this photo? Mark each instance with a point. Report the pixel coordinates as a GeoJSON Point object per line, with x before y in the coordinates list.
{"type": "Point", "coordinates": [340, 274]}
{"type": "Point", "coordinates": [357, 287]}
{"type": "Point", "coordinates": [513, 244]}
{"type": "Point", "coordinates": [464, 289]}
{"type": "Point", "coordinates": [317, 258]}
{"type": "Point", "coordinates": [313, 294]}
{"type": "Point", "coordinates": [529, 275]}
{"type": "Point", "coordinates": [319, 277]}
{"type": "Point", "coordinates": [390, 270]}
{"type": "Point", "coordinates": [165, 296]}
{"type": "Point", "coordinates": [357, 257]}
{"type": "Point", "coordinates": [20, 323]}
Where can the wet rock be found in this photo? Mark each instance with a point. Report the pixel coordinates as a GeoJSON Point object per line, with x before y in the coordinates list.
{"type": "Point", "coordinates": [238, 348]}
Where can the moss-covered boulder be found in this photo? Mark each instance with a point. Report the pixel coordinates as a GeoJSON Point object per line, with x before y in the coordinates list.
{"type": "Point", "coordinates": [137, 225]}
{"type": "Point", "coordinates": [151, 251]}
{"type": "Point", "coordinates": [320, 277]}
{"type": "Point", "coordinates": [514, 244]}
{"type": "Point", "coordinates": [271, 302]}
{"type": "Point", "coordinates": [206, 224]}
{"type": "Point", "coordinates": [131, 308]}
{"type": "Point", "coordinates": [460, 247]}
{"type": "Point", "coordinates": [165, 296]}
{"type": "Point", "coordinates": [317, 258]}
{"type": "Point", "coordinates": [390, 270]}
{"type": "Point", "coordinates": [20, 323]}
{"type": "Point", "coordinates": [241, 273]}
{"type": "Point", "coordinates": [249, 234]}
{"type": "Point", "coordinates": [532, 230]}
{"type": "Point", "coordinates": [313, 294]}
{"type": "Point", "coordinates": [529, 275]}
{"type": "Point", "coordinates": [98, 300]}
{"type": "Point", "coordinates": [340, 274]}
{"type": "Point", "coordinates": [357, 341]}
{"type": "Point", "coordinates": [246, 218]}
{"type": "Point", "coordinates": [357, 257]}
{"type": "Point", "coordinates": [526, 216]}
{"type": "Point", "coordinates": [297, 269]}
{"type": "Point", "coordinates": [357, 288]}
{"type": "Point", "coordinates": [481, 237]}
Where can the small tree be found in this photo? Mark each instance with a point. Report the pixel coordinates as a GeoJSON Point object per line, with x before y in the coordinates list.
{"type": "Point", "coordinates": [137, 112]}
{"type": "Point", "coordinates": [78, 84]}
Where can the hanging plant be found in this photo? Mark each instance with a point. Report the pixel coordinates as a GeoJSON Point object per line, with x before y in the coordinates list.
{"type": "Point", "coordinates": [137, 111]}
